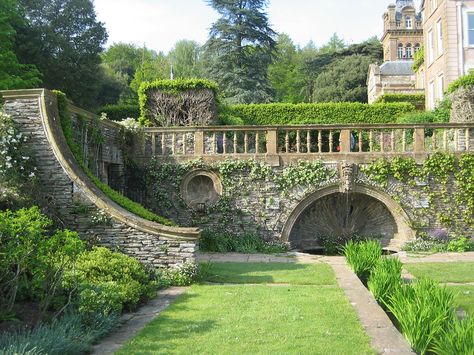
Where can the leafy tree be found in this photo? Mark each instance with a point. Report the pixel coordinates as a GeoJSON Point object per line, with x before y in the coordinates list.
{"type": "Point", "coordinates": [186, 59]}
{"type": "Point", "coordinates": [13, 74]}
{"type": "Point", "coordinates": [343, 80]}
{"type": "Point", "coordinates": [156, 68]}
{"type": "Point", "coordinates": [334, 44]}
{"type": "Point", "coordinates": [240, 49]}
{"type": "Point", "coordinates": [284, 73]}
{"type": "Point", "coordinates": [63, 39]}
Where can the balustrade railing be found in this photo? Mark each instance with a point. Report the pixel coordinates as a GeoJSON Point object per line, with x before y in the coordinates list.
{"type": "Point", "coordinates": [308, 140]}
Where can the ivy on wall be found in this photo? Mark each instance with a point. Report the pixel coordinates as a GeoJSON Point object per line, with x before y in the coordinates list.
{"type": "Point", "coordinates": [443, 178]}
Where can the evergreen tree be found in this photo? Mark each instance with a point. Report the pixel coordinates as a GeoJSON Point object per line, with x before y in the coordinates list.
{"type": "Point", "coordinates": [13, 74]}
{"type": "Point", "coordinates": [240, 49]}
{"type": "Point", "coordinates": [63, 39]}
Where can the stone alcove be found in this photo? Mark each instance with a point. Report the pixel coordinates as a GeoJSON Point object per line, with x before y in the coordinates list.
{"type": "Point", "coordinates": [201, 189]}
{"type": "Point", "coordinates": [363, 210]}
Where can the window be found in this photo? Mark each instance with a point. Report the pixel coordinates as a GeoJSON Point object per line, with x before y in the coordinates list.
{"type": "Point", "coordinates": [400, 51]}
{"type": "Point", "coordinates": [408, 51]}
{"type": "Point", "coordinates": [439, 27]}
{"type": "Point", "coordinates": [417, 47]}
{"type": "Point", "coordinates": [470, 28]}
{"type": "Point", "coordinates": [431, 95]}
{"type": "Point", "coordinates": [430, 47]}
{"type": "Point", "coordinates": [440, 87]}
{"type": "Point", "coordinates": [408, 22]}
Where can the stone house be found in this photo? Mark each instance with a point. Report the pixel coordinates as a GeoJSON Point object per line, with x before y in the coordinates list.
{"type": "Point", "coordinates": [402, 38]}
{"type": "Point", "coordinates": [449, 44]}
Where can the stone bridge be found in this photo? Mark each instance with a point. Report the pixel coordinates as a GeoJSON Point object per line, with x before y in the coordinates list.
{"type": "Point", "coordinates": [297, 184]}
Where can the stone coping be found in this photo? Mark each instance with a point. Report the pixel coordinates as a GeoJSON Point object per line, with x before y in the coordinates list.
{"type": "Point", "coordinates": [51, 124]}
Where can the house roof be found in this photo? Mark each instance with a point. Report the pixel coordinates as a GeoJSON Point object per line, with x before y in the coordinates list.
{"type": "Point", "coordinates": [397, 67]}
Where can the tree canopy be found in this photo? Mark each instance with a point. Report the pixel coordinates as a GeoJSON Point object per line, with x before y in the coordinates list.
{"type": "Point", "coordinates": [240, 48]}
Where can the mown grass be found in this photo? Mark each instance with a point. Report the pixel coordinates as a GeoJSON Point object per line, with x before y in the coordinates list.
{"type": "Point", "coordinates": [303, 317]}
{"type": "Point", "coordinates": [267, 273]}
{"type": "Point", "coordinates": [464, 298]}
{"type": "Point", "coordinates": [443, 272]}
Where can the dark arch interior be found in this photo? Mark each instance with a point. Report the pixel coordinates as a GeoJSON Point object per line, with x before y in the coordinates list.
{"type": "Point", "coordinates": [342, 215]}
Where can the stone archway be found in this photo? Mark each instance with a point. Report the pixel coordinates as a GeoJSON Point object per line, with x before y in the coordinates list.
{"type": "Point", "coordinates": [364, 210]}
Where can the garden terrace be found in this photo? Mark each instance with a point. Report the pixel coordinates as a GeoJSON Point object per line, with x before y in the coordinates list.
{"type": "Point", "coordinates": [284, 144]}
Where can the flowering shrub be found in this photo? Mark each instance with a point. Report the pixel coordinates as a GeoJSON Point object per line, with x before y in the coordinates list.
{"type": "Point", "coordinates": [15, 163]}
{"type": "Point", "coordinates": [438, 241]}
{"type": "Point", "coordinates": [131, 125]}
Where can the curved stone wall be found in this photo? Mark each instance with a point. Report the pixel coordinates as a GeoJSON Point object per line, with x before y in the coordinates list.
{"type": "Point", "coordinates": [74, 200]}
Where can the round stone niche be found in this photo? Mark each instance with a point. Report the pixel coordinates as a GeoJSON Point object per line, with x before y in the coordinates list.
{"type": "Point", "coordinates": [201, 189]}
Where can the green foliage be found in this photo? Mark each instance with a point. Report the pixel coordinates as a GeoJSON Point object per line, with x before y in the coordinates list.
{"type": "Point", "coordinates": [465, 81]}
{"type": "Point", "coordinates": [173, 87]}
{"type": "Point", "coordinates": [457, 338]}
{"type": "Point", "coordinates": [248, 243]}
{"type": "Point", "coordinates": [362, 257]}
{"type": "Point", "coordinates": [322, 113]}
{"type": "Point", "coordinates": [422, 311]}
{"type": "Point", "coordinates": [107, 282]}
{"type": "Point", "coordinates": [239, 50]}
{"type": "Point", "coordinates": [13, 74]}
{"type": "Point", "coordinates": [465, 183]}
{"type": "Point", "coordinates": [419, 117]}
{"type": "Point", "coordinates": [460, 245]}
{"type": "Point", "coordinates": [182, 275]}
{"type": "Point", "coordinates": [418, 100]}
{"type": "Point", "coordinates": [419, 59]}
{"type": "Point", "coordinates": [117, 197]}
{"type": "Point", "coordinates": [385, 279]}
{"type": "Point", "coordinates": [186, 60]}
{"type": "Point", "coordinates": [121, 111]}
{"type": "Point", "coordinates": [72, 334]}
{"type": "Point", "coordinates": [344, 80]}
{"type": "Point", "coordinates": [304, 173]}
{"type": "Point", "coordinates": [63, 39]}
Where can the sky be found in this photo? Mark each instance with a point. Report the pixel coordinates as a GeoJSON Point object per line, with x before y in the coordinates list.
{"type": "Point", "coordinates": [159, 24]}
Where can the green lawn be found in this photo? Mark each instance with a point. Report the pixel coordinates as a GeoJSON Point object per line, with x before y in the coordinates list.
{"type": "Point", "coordinates": [265, 273]}
{"type": "Point", "coordinates": [450, 272]}
{"type": "Point", "coordinates": [443, 272]}
{"type": "Point", "coordinates": [305, 317]}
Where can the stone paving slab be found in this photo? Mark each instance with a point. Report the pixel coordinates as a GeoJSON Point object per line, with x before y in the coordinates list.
{"type": "Point", "coordinates": [132, 323]}
{"type": "Point", "coordinates": [385, 338]}
{"type": "Point", "coordinates": [436, 258]}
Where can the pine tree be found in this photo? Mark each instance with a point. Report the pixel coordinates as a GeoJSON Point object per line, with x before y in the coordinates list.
{"type": "Point", "coordinates": [240, 49]}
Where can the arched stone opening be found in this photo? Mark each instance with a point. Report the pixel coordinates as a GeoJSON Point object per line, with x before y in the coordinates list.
{"type": "Point", "coordinates": [330, 213]}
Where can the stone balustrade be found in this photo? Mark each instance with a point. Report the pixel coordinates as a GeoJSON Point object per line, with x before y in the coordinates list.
{"type": "Point", "coordinates": [359, 143]}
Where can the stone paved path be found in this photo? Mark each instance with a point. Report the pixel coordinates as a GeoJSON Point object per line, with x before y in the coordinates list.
{"type": "Point", "coordinates": [132, 323]}
{"type": "Point", "coordinates": [436, 258]}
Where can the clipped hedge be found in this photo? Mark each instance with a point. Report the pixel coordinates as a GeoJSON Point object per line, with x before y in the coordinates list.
{"type": "Point", "coordinates": [415, 99]}
{"type": "Point", "coordinates": [121, 112]}
{"type": "Point", "coordinates": [319, 113]}
{"type": "Point", "coordinates": [158, 110]}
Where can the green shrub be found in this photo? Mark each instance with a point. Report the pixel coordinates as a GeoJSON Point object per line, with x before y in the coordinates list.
{"type": "Point", "coordinates": [120, 112]}
{"type": "Point", "coordinates": [460, 244]}
{"type": "Point", "coordinates": [182, 275]}
{"type": "Point", "coordinates": [462, 82]}
{"type": "Point", "coordinates": [107, 281]}
{"type": "Point", "coordinates": [248, 243]}
{"type": "Point", "coordinates": [418, 117]}
{"type": "Point", "coordinates": [418, 100]}
{"type": "Point", "coordinates": [363, 256]}
{"type": "Point", "coordinates": [319, 113]}
{"type": "Point", "coordinates": [385, 279]}
{"type": "Point", "coordinates": [72, 334]}
{"type": "Point", "coordinates": [419, 59]}
{"type": "Point", "coordinates": [456, 339]}
{"type": "Point", "coordinates": [422, 311]}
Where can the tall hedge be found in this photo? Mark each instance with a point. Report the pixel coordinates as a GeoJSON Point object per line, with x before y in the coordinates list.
{"type": "Point", "coordinates": [416, 99]}
{"type": "Point", "coordinates": [319, 113]}
{"type": "Point", "coordinates": [178, 102]}
{"type": "Point", "coordinates": [121, 112]}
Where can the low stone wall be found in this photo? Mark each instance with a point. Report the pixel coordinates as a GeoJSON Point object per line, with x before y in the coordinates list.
{"type": "Point", "coordinates": [79, 205]}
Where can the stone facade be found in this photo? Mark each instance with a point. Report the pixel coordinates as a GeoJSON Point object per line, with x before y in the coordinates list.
{"type": "Point", "coordinates": [75, 202]}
